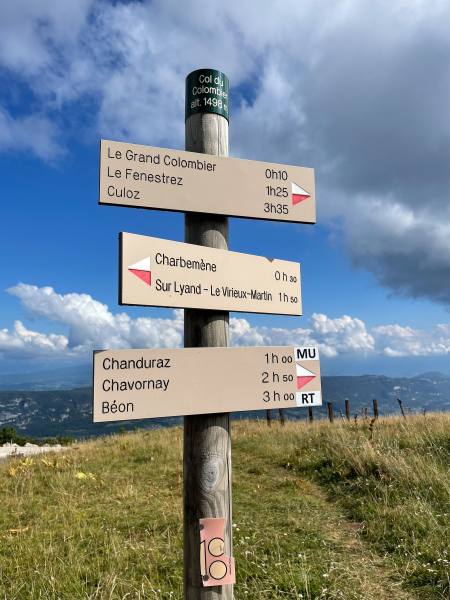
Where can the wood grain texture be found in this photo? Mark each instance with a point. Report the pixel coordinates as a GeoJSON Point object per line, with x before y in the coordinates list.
{"type": "Point", "coordinates": [207, 442]}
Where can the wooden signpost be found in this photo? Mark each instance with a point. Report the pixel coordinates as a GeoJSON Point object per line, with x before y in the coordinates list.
{"type": "Point", "coordinates": [156, 272]}
{"type": "Point", "coordinates": [206, 380]}
{"type": "Point", "coordinates": [207, 439]}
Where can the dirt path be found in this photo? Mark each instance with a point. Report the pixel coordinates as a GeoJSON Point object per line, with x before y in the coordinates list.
{"type": "Point", "coordinates": [319, 549]}
{"type": "Point", "coordinates": [375, 576]}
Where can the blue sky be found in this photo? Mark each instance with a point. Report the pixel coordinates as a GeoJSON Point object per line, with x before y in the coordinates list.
{"type": "Point", "coordinates": [350, 100]}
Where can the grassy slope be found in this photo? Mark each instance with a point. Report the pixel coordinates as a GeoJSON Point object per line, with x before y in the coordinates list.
{"type": "Point", "coordinates": [320, 512]}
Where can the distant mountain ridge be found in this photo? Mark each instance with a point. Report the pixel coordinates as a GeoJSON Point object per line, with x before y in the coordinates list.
{"type": "Point", "coordinates": [80, 376]}
{"type": "Point", "coordinates": [44, 413]}
{"type": "Point", "coordinates": [62, 378]}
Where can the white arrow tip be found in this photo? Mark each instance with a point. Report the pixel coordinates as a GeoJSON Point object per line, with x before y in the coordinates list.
{"type": "Point", "coordinates": [141, 265]}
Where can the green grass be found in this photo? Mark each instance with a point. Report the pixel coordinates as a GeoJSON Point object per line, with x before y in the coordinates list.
{"type": "Point", "coordinates": [319, 511]}
{"type": "Point", "coordinates": [396, 483]}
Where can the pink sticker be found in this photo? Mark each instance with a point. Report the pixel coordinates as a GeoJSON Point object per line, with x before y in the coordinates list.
{"type": "Point", "coordinates": [215, 567]}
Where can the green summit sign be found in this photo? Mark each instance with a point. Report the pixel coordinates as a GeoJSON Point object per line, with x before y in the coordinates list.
{"type": "Point", "coordinates": [207, 91]}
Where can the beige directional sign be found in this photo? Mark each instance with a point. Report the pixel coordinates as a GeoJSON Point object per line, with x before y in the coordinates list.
{"type": "Point", "coordinates": [141, 384]}
{"type": "Point", "coordinates": [155, 272]}
{"type": "Point", "coordinates": [149, 177]}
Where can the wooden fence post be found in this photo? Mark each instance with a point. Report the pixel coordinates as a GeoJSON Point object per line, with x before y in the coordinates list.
{"type": "Point", "coordinates": [330, 411]}
{"type": "Point", "coordinates": [400, 403]}
{"type": "Point", "coordinates": [347, 409]}
{"type": "Point", "coordinates": [375, 408]}
{"type": "Point", "coordinates": [207, 441]}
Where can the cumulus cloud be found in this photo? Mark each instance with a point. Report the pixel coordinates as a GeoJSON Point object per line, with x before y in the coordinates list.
{"type": "Point", "coordinates": [332, 336]}
{"type": "Point", "coordinates": [21, 342]}
{"type": "Point", "coordinates": [89, 324]}
{"type": "Point", "coordinates": [344, 334]}
{"type": "Point", "coordinates": [395, 341]}
{"type": "Point", "coordinates": [363, 100]}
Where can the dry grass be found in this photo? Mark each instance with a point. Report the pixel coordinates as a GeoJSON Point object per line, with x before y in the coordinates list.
{"type": "Point", "coordinates": [319, 512]}
{"type": "Point", "coordinates": [397, 486]}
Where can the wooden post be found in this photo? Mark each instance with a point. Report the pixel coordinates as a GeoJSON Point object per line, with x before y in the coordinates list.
{"type": "Point", "coordinates": [207, 441]}
{"type": "Point", "coordinates": [310, 414]}
{"type": "Point", "coordinates": [281, 415]}
{"type": "Point", "coordinates": [330, 411]}
{"type": "Point", "coordinates": [347, 409]}
{"type": "Point", "coordinates": [400, 403]}
{"type": "Point", "coordinates": [269, 417]}
{"type": "Point", "coordinates": [375, 408]}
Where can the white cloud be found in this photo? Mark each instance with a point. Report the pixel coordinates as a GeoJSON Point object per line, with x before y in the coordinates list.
{"type": "Point", "coordinates": [91, 325]}
{"type": "Point", "coordinates": [341, 86]}
{"type": "Point", "coordinates": [333, 336]}
{"type": "Point", "coordinates": [395, 341]}
{"type": "Point", "coordinates": [344, 334]}
{"type": "Point", "coordinates": [21, 342]}
{"type": "Point", "coordinates": [28, 30]}
{"type": "Point", "coordinates": [35, 133]}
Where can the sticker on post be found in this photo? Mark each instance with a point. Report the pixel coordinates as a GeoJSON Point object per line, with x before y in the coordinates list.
{"type": "Point", "coordinates": [308, 398]}
{"type": "Point", "coordinates": [215, 567]}
{"type": "Point", "coordinates": [306, 353]}
{"type": "Point", "coordinates": [307, 393]}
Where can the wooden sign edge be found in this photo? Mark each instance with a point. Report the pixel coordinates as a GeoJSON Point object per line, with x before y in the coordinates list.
{"type": "Point", "coordinates": [94, 352]}
{"type": "Point", "coordinates": [256, 312]}
{"type": "Point", "coordinates": [199, 212]}
{"type": "Point", "coordinates": [196, 212]}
